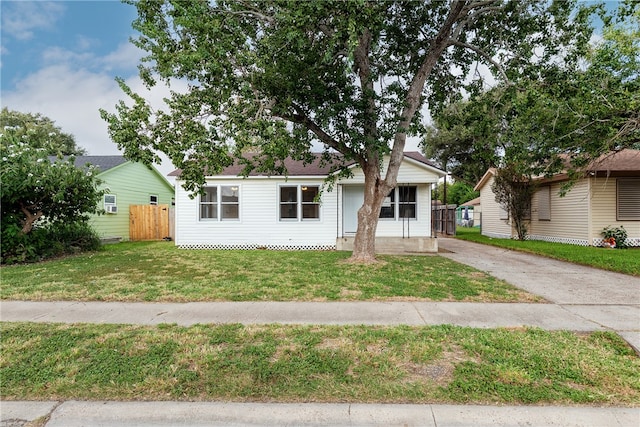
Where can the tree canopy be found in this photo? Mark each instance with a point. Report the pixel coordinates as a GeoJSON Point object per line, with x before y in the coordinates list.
{"type": "Point", "coordinates": [280, 78]}
{"type": "Point", "coordinates": [39, 132]}
{"type": "Point", "coordinates": [565, 119]}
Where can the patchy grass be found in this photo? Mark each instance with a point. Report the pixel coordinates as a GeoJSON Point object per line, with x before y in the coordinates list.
{"type": "Point", "coordinates": [158, 271]}
{"type": "Point", "coordinates": [626, 261]}
{"type": "Point", "coordinates": [316, 363]}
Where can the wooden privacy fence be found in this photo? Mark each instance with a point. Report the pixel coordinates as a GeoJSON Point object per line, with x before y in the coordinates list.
{"type": "Point", "coordinates": [444, 219]}
{"type": "Point", "coordinates": [148, 222]}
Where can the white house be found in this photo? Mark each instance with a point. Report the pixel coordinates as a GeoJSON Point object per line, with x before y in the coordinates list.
{"type": "Point", "coordinates": [277, 212]}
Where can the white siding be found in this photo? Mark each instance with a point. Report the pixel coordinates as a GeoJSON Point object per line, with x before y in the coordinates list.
{"type": "Point", "coordinates": [259, 224]}
{"type": "Point", "coordinates": [410, 172]}
{"type": "Point", "coordinates": [569, 221]}
{"type": "Point", "coordinates": [492, 225]}
{"type": "Point", "coordinates": [603, 211]}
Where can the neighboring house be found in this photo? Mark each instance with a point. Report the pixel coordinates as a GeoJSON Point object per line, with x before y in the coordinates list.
{"type": "Point", "coordinates": [608, 195]}
{"type": "Point", "coordinates": [473, 211]}
{"type": "Point", "coordinates": [127, 183]}
{"type": "Point", "coordinates": [296, 212]}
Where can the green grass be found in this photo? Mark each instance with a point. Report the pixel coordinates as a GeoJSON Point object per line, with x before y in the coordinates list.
{"type": "Point", "coordinates": [626, 261]}
{"type": "Point", "coordinates": [316, 363]}
{"type": "Point", "coordinates": [158, 271]}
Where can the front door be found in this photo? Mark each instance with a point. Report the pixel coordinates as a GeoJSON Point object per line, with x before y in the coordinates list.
{"type": "Point", "coordinates": [352, 200]}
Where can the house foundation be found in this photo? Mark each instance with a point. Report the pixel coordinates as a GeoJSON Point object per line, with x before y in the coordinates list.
{"type": "Point", "coordinates": [394, 244]}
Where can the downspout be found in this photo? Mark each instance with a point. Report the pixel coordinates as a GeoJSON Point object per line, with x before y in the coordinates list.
{"type": "Point", "coordinates": [338, 207]}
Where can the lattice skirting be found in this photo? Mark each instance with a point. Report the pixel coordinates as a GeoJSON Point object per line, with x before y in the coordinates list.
{"type": "Point", "coordinates": [569, 241]}
{"type": "Point", "coordinates": [496, 235]}
{"type": "Point", "coordinates": [631, 241]}
{"type": "Point", "coordinates": [250, 247]}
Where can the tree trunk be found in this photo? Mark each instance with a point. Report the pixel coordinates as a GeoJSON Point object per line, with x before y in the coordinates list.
{"type": "Point", "coordinates": [30, 219]}
{"type": "Point", "coordinates": [375, 190]}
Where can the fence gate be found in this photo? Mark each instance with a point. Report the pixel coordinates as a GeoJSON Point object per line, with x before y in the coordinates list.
{"type": "Point", "coordinates": [444, 219]}
{"type": "Point", "coordinates": [148, 222]}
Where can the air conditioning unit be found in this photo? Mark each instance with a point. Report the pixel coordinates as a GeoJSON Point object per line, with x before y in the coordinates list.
{"type": "Point", "coordinates": [112, 209]}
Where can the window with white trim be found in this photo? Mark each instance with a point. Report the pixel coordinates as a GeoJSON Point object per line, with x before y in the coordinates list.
{"type": "Point", "coordinates": [407, 200]}
{"type": "Point", "coordinates": [403, 200]}
{"type": "Point", "coordinates": [109, 200]}
{"type": "Point", "coordinates": [628, 199]}
{"type": "Point", "coordinates": [299, 202]}
{"type": "Point", "coordinates": [153, 199]}
{"type": "Point", "coordinates": [220, 202]}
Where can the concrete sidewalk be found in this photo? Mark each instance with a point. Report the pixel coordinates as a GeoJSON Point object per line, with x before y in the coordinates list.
{"type": "Point", "coordinates": [169, 414]}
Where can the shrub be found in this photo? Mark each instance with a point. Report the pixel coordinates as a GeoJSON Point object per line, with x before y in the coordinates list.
{"type": "Point", "coordinates": [619, 234]}
{"type": "Point", "coordinates": [46, 241]}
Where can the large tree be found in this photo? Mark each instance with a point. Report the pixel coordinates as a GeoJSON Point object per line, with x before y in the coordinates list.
{"type": "Point", "coordinates": [563, 120]}
{"type": "Point", "coordinates": [39, 132]}
{"type": "Point", "coordinates": [277, 77]}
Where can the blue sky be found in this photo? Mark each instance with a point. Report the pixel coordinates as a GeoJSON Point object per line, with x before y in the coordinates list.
{"type": "Point", "coordinates": [60, 58]}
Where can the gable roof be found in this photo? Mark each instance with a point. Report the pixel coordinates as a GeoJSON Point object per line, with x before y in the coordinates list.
{"type": "Point", "coordinates": [316, 168]}
{"type": "Point", "coordinates": [472, 202]}
{"type": "Point", "coordinates": [618, 163]}
{"type": "Point", "coordinates": [104, 163]}
{"type": "Point", "coordinates": [627, 160]}
{"type": "Point", "coordinates": [488, 174]}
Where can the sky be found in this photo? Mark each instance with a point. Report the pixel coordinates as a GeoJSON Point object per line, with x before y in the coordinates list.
{"type": "Point", "coordinates": [61, 58]}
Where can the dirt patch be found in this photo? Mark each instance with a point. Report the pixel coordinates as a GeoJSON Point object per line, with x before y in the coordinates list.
{"type": "Point", "coordinates": [350, 293]}
{"type": "Point", "coordinates": [439, 371]}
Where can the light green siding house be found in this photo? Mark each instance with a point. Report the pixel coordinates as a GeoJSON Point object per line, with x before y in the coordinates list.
{"type": "Point", "coordinates": [127, 183]}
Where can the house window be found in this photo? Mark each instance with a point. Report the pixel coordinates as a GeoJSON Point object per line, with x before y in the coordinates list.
{"type": "Point", "coordinates": [153, 199]}
{"type": "Point", "coordinates": [209, 203]}
{"type": "Point", "coordinates": [220, 202]}
{"type": "Point", "coordinates": [299, 202]}
{"type": "Point", "coordinates": [544, 204]}
{"type": "Point", "coordinates": [503, 213]}
{"type": "Point", "coordinates": [110, 205]}
{"type": "Point", "coordinates": [310, 207]}
{"type": "Point", "coordinates": [408, 204]}
{"type": "Point", "coordinates": [628, 199]}
{"type": "Point", "coordinates": [402, 200]}
{"type": "Point", "coordinates": [230, 202]}
{"type": "Point", "coordinates": [388, 209]}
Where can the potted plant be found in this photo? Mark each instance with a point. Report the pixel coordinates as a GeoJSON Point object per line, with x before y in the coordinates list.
{"type": "Point", "coordinates": [609, 242]}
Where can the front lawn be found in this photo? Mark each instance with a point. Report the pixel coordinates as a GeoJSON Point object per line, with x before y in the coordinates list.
{"type": "Point", "coordinates": [316, 364]}
{"type": "Point", "coordinates": [626, 261]}
{"type": "Point", "coordinates": [158, 271]}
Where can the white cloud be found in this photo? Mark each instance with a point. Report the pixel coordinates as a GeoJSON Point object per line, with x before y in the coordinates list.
{"type": "Point", "coordinates": [21, 19]}
{"type": "Point", "coordinates": [123, 57]}
{"type": "Point", "coordinates": [72, 98]}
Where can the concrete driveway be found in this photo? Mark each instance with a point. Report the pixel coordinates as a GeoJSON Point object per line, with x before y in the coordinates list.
{"type": "Point", "coordinates": [558, 281]}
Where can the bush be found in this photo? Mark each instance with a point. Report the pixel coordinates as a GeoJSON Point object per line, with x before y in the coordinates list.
{"type": "Point", "coordinates": [46, 241]}
{"type": "Point", "coordinates": [619, 234]}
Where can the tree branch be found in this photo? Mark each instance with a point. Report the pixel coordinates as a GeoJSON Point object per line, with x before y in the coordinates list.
{"type": "Point", "coordinates": [363, 67]}
{"type": "Point", "coordinates": [301, 118]}
{"type": "Point", "coordinates": [412, 100]}
{"type": "Point", "coordinates": [484, 54]}
{"type": "Point", "coordinates": [251, 11]}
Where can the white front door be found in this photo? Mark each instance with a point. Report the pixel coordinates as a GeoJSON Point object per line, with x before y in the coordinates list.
{"type": "Point", "coordinates": [352, 200]}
